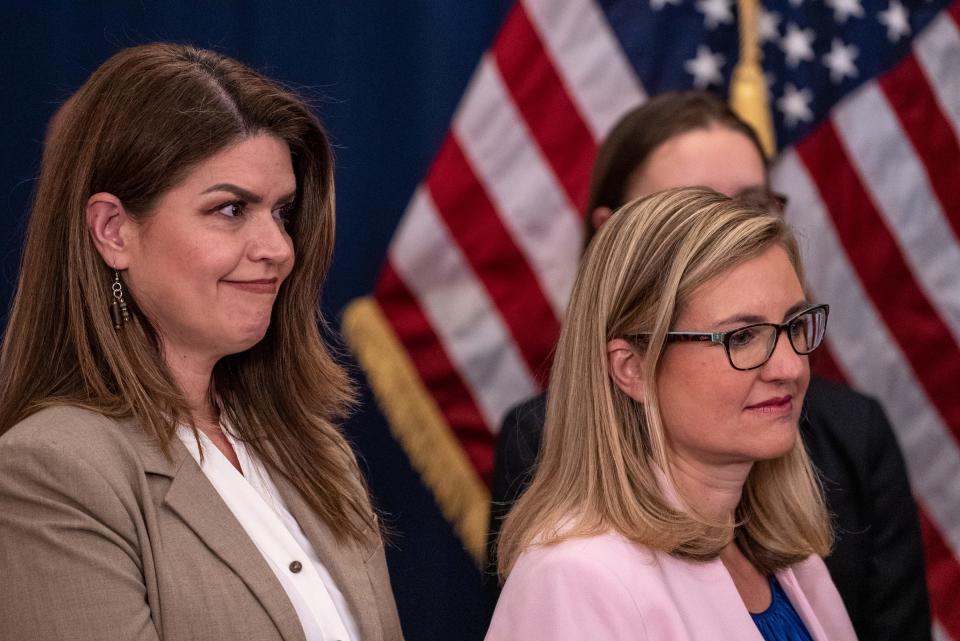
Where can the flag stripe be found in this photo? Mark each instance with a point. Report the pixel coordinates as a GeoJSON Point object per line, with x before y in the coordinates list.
{"type": "Point", "coordinates": [459, 310]}
{"type": "Point", "coordinates": [939, 634]}
{"type": "Point", "coordinates": [487, 245]}
{"type": "Point", "coordinates": [824, 363]}
{"type": "Point", "coordinates": [517, 179]}
{"type": "Point", "coordinates": [435, 369]}
{"type": "Point", "coordinates": [943, 578]}
{"type": "Point", "coordinates": [938, 52]}
{"type": "Point", "coordinates": [908, 91]}
{"type": "Point", "coordinates": [547, 109]}
{"type": "Point", "coordinates": [866, 351]}
{"type": "Point", "coordinates": [885, 162]}
{"type": "Point", "coordinates": [926, 341]}
{"type": "Point", "coordinates": [589, 58]}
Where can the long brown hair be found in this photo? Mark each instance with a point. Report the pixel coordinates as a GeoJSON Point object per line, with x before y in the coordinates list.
{"type": "Point", "coordinates": [604, 464]}
{"type": "Point", "coordinates": [142, 120]}
{"type": "Point", "coordinates": [642, 130]}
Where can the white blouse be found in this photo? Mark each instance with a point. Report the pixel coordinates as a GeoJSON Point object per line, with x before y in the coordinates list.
{"type": "Point", "coordinates": [255, 501]}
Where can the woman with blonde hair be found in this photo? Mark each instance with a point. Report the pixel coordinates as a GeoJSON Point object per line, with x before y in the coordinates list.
{"type": "Point", "coordinates": [170, 465]}
{"type": "Point", "coordinates": [673, 499]}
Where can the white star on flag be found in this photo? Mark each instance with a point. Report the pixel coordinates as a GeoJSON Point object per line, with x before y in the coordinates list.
{"type": "Point", "coordinates": [768, 25]}
{"type": "Point", "coordinates": [896, 20]}
{"type": "Point", "coordinates": [840, 61]}
{"type": "Point", "coordinates": [843, 9]}
{"type": "Point", "coordinates": [797, 44]}
{"type": "Point", "coordinates": [796, 3]}
{"type": "Point", "coordinates": [716, 12]}
{"type": "Point", "coordinates": [657, 5]}
{"type": "Point", "coordinates": [705, 68]}
{"type": "Point", "coordinates": [795, 105]}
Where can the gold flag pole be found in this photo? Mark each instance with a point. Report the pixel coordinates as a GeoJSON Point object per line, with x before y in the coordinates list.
{"type": "Point", "coordinates": [748, 89]}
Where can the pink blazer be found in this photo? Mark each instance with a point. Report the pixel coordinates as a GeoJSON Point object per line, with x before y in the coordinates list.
{"type": "Point", "coordinates": [605, 588]}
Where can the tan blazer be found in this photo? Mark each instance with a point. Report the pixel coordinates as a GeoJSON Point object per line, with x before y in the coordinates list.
{"type": "Point", "coordinates": [102, 537]}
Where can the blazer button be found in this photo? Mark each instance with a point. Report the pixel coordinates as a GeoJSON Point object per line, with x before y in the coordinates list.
{"type": "Point", "coordinates": [296, 566]}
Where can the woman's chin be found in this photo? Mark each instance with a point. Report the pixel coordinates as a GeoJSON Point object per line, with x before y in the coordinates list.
{"type": "Point", "coordinates": [775, 448]}
{"type": "Point", "coordinates": [246, 339]}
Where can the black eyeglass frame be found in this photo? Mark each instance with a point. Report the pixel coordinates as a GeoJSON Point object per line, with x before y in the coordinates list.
{"type": "Point", "coordinates": [723, 338]}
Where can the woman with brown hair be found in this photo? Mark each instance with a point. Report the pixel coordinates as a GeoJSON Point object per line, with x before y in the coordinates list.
{"type": "Point", "coordinates": [673, 497]}
{"type": "Point", "coordinates": [170, 466]}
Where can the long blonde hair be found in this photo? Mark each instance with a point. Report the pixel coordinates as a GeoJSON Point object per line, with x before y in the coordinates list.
{"type": "Point", "coordinates": [145, 118]}
{"type": "Point", "coordinates": [603, 453]}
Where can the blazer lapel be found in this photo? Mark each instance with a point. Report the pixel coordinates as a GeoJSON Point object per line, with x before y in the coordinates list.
{"type": "Point", "coordinates": [345, 561]}
{"type": "Point", "coordinates": [813, 595]}
{"type": "Point", "coordinates": [793, 590]}
{"type": "Point", "coordinates": [196, 501]}
{"type": "Point", "coordinates": [719, 605]}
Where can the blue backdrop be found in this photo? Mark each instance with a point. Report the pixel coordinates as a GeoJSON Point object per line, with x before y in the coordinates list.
{"type": "Point", "coordinates": [386, 77]}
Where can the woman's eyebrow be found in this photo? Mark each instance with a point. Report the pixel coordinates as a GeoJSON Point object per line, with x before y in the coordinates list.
{"type": "Point", "coordinates": [288, 198]}
{"type": "Point", "coordinates": [742, 318]}
{"type": "Point", "coordinates": [754, 318]}
{"type": "Point", "coordinates": [246, 195]}
{"type": "Point", "coordinates": [796, 308]}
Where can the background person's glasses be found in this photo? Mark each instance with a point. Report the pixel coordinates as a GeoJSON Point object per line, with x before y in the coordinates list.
{"type": "Point", "coordinates": [751, 346]}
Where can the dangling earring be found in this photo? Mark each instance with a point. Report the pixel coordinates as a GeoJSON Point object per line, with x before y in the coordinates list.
{"type": "Point", "coordinates": [118, 308]}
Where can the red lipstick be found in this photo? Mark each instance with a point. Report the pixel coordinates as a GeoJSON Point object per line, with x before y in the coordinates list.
{"type": "Point", "coordinates": [776, 405]}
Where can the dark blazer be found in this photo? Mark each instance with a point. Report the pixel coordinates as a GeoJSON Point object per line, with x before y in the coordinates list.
{"type": "Point", "coordinates": [103, 537]}
{"type": "Point", "coordinates": [877, 561]}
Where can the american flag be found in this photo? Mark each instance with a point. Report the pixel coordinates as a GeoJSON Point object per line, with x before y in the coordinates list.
{"type": "Point", "coordinates": [865, 101]}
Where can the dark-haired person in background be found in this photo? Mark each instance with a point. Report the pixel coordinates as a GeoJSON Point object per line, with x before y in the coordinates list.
{"type": "Point", "coordinates": [693, 138]}
{"type": "Point", "coordinates": [170, 466]}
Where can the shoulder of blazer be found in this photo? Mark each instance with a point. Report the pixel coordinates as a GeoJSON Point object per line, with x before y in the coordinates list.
{"type": "Point", "coordinates": [844, 430]}
{"type": "Point", "coordinates": [518, 441]}
{"type": "Point", "coordinates": [113, 446]}
{"type": "Point", "coordinates": [839, 406]}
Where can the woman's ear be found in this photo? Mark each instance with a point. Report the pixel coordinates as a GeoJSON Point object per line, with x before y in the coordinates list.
{"type": "Point", "coordinates": [599, 216]}
{"type": "Point", "coordinates": [110, 228]}
{"type": "Point", "coordinates": [626, 366]}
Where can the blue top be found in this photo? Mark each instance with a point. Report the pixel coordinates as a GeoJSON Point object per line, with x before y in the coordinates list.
{"type": "Point", "coordinates": [780, 622]}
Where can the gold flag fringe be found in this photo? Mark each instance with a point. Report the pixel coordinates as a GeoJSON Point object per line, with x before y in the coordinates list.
{"type": "Point", "coordinates": [418, 424]}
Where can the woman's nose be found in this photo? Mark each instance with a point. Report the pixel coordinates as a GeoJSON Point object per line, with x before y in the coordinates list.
{"type": "Point", "coordinates": [268, 239]}
{"type": "Point", "coordinates": [785, 363]}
